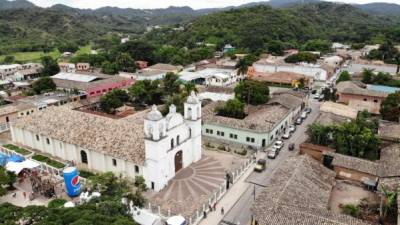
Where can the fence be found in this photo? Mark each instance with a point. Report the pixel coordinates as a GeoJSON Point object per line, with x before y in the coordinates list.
{"type": "Point", "coordinates": [213, 198]}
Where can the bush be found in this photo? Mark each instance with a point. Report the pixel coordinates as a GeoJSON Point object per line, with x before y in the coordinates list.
{"type": "Point", "coordinates": [56, 203]}
{"type": "Point", "coordinates": [17, 149]}
{"type": "Point", "coordinates": [352, 210]}
{"type": "Point", "coordinates": [140, 183]}
{"type": "Point", "coordinates": [232, 108]}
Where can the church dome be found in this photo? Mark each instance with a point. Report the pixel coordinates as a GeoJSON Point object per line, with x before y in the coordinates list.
{"type": "Point", "coordinates": [154, 114]}
{"type": "Point", "coordinates": [192, 99]}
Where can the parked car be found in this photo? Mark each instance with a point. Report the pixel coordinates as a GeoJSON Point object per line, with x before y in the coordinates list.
{"type": "Point", "coordinates": [308, 110]}
{"type": "Point", "coordinates": [291, 146]}
{"type": "Point", "coordinates": [316, 96]}
{"type": "Point", "coordinates": [299, 121]}
{"type": "Point", "coordinates": [273, 153]}
{"type": "Point", "coordinates": [287, 135]}
{"type": "Point", "coordinates": [278, 145]}
{"type": "Point", "coordinates": [303, 115]}
{"type": "Point", "coordinates": [292, 128]}
{"type": "Point", "coordinates": [260, 166]}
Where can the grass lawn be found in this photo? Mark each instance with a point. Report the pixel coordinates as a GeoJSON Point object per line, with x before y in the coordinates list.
{"type": "Point", "coordinates": [26, 57]}
{"type": "Point", "coordinates": [48, 161]}
{"type": "Point", "coordinates": [31, 56]}
{"type": "Point", "coordinates": [17, 149]}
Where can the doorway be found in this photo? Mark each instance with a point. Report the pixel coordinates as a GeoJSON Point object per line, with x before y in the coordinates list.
{"type": "Point", "coordinates": [178, 161]}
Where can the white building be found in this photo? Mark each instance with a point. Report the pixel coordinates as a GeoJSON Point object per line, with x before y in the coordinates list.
{"type": "Point", "coordinates": [212, 77]}
{"type": "Point", "coordinates": [145, 143]}
{"type": "Point", "coordinates": [314, 71]}
{"type": "Point", "coordinates": [333, 61]}
{"type": "Point", "coordinates": [18, 72]}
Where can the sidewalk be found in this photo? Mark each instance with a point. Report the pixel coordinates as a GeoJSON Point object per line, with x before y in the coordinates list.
{"type": "Point", "coordinates": [229, 199]}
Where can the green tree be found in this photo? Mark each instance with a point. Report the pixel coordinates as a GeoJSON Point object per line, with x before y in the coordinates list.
{"type": "Point", "coordinates": [317, 45]}
{"type": "Point", "coordinates": [252, 92]}
{"type": "Point", "coordinates": [126, 63]}
{"type": "Point", "coordinates": [243, 64]}
{"type": "Point", "coordinates": [140, 183]}
{"type": "Point", "coordinates": [110, 102]}
{"type": "Point", "coordinates": [9, 59]}
{"type": "Point", "coordinates": [302, 57]}
{"type": "Point", "coordinates": [146, 92]}
{"type": "Point", "coordinates": [390, 107]}
{"type": "Point", "coordinates": [68, 47]}
{"type": "Point", "coordinates": [171, 84]}
{"type": "Point", "coordinates": [109, 68]}
{"type": "Point", "coordinates": [43, 84]}
{"type": "Point", "coordinates": [276, 48]}
{"type": "Point", "coordinates": [390, 201]}
{"type": "Point", "coordinates": [343, 76]}
{"type": "Point", "coordinates": [232, 108]}
{"type": "Point", "coordinates": [50, 66]}
{"type": "Point", "coordinates": [319, 134]}
{"type": "Point", "coordinates": [368, 76]}
{"type": "Point", "coordinates": [6, 179]}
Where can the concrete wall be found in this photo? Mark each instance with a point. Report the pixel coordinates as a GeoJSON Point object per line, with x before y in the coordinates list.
{"type": "Point", "coordinates": [105, 88]}
{"type": "Point", "coordinates": [315, 151]}
{"type": "Point", "coordinates": [316, 73]}
{"type": "Point", "coordinates": [372, 104]}
{"type": "Point", "coordinates": [349, 174]}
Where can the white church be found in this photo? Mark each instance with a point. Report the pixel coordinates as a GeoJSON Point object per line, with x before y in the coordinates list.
{"type": "Point", "coordinates": [143, 144]}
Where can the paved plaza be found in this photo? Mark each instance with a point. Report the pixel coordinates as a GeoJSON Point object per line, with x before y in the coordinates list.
{"type": "Point", "coordinates": [193, 186]}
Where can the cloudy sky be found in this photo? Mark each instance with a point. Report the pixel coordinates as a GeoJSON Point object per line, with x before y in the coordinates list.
{"type": "Point", "coordinates": [164, 3]}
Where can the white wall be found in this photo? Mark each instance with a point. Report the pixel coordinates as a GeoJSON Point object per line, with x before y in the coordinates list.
{"type": "Point", "coordinates": [316, 73]}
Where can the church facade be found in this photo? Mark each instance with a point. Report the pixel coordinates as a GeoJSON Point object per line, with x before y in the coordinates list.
{"type": "Point", "coordinates": [144, 144]}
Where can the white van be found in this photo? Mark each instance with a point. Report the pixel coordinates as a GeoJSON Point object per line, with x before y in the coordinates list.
{"type": "Point", "coordinates": [304, 115]}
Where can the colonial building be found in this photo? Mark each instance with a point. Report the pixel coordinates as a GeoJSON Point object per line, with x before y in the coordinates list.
{"type": "Point", "coordinates": [261, 126]}
{"type": "Point", "coordinates": [145, 143]}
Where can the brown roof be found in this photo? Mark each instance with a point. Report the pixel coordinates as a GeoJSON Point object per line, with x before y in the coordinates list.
{"type": "Point", "coordinates": [350, 87]}
{"type": "Point", "coordinates": [119, 138]}
{"type": "Point", "coordinates": [298, 193]}
{"type": "Point", "coordinates": [104, 79]}
{"type": "Point", "coordinates": [260, 118]}
{"type": "Point", "coordinates": [165, 67]}
{"type": "Point", "coordinates": [278, 77]}
{"type": "Point", "coordinates": [389, 163]}
{"type": "Point", "coordinates": [389, 131]}
{"type": "Point", "coordinates": [327, 119]}
{"type": "Point", "coordinates": [354, 163]}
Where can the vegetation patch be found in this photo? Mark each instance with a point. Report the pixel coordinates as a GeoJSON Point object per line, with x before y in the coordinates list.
{"type": "Point", "coordinates": [17, 149]}
{"type": "Point", "coordinates": [48, 161]}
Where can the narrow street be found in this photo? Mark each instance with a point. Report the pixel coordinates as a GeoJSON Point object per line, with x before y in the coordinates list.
{"type": "Point", "coordinates": [240, 214]}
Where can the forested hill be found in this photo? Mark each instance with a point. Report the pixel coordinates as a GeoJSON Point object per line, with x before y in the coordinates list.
{"type": "Point", "coordinates": [17, 4]}
{"type": "Point", "coordinates": [253, 27]}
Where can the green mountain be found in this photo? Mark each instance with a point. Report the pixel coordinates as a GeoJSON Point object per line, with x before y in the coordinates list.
{"type": "Point", "coordinates": [381, 8]}
{"type": "Point", "coordinates": [17, 4]}
{"type": "Point", "coordinates": [253, 27]}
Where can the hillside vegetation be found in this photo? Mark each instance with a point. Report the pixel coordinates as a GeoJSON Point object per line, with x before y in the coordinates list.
{"type": "Point", "coordinates": [252, 28]}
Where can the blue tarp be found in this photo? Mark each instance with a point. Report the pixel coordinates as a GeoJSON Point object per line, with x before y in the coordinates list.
{"type": "Point", "coordinates": [15, 158]}
{"type": "Point", "coordinates": [3, 159]}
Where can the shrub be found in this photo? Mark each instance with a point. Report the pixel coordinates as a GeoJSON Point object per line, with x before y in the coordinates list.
{"type": "Point", "coordinates": [140, 183]}
{"type": "Point", "coordinates": [352, 210]}
{"type": "Point", "coordinates": [86, 174]}
{"type": "Point", "coordinates": [56, 203]}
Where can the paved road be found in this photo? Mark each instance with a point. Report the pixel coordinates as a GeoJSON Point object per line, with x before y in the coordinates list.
{"type": "Point", "coordinates": [240, 214]}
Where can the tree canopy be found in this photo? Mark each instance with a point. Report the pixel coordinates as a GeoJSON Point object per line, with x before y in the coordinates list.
{"type": "Point", "coordinates": [50, 66]}
{"type": "Point", "coordinates": [232, 108]}
{"type": "Point", "coordinates": [343, 76]}
{"type": "Point", "coordinates": [252, 92]}
{"type": "Point", "coordinates": [390, 107]}
{"type": "Point", "coordinates": [43, 84]}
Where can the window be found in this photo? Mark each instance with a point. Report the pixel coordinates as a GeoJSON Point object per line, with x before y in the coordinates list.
{"type": "Point", "coordinates": [47, 141]}
{"type": "Point", "coordinates": [84, 158]}
{"type": "Point", "coordinates": [37, 137]}
{"type": "Point", "coordinates": [365, 99]}
{"type": "Point", "coordinates": [220, 133]}
{"type": "Point", "coordinates": [136, 169]}
{"type": "Point", "coordinates": [247, 139]}
{"type": "Point", "coordinates": [152, 185]}
{"type": "Point", "coordinates": [252, 140]}
{"type": "Point", "coordinates": [233, 136]}
{"type": "Point", "coordinates": [177, 140]}
{"type": "Point", "coordinates": [375, 100]}
{"type": "Point", "coordinates": [114, 162]}
{"type": "Point", "coordinates": [272, 137]}
{"type": "Point", "coordinates": [172, 143]}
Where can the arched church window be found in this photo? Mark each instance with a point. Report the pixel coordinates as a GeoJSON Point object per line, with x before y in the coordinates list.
{"type": "Point", "coordinates": [177, 140]}
{"type": "Point", "coordinates": [172, 143]}
{"type": "Point", "coordinates": [84, 158]}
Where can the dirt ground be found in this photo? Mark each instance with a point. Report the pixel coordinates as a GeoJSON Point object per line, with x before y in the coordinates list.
{"type": "Point", "coordinates": [349, 193]}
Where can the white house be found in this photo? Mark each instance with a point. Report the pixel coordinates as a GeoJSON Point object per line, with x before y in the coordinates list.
{"type": "Point", "coordinates": [212, 77]}
{"type": "Point", "coordinates": [145, 143]}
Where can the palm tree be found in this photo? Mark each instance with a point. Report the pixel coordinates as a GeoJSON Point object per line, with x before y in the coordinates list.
{"type": "Point", "coordinates": [242, 67]}
{"type": "Point", "coordinates": [188, 88]}
{"type": "Point", "coordinates": [391, 198]}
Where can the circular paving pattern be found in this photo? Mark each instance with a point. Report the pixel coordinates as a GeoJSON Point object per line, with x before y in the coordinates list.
{"type": "Point", "coordinates": [192, 185]}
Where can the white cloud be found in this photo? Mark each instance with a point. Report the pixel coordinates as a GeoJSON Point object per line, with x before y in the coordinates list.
{"type": "Point", "coordinates": [165, 3]}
